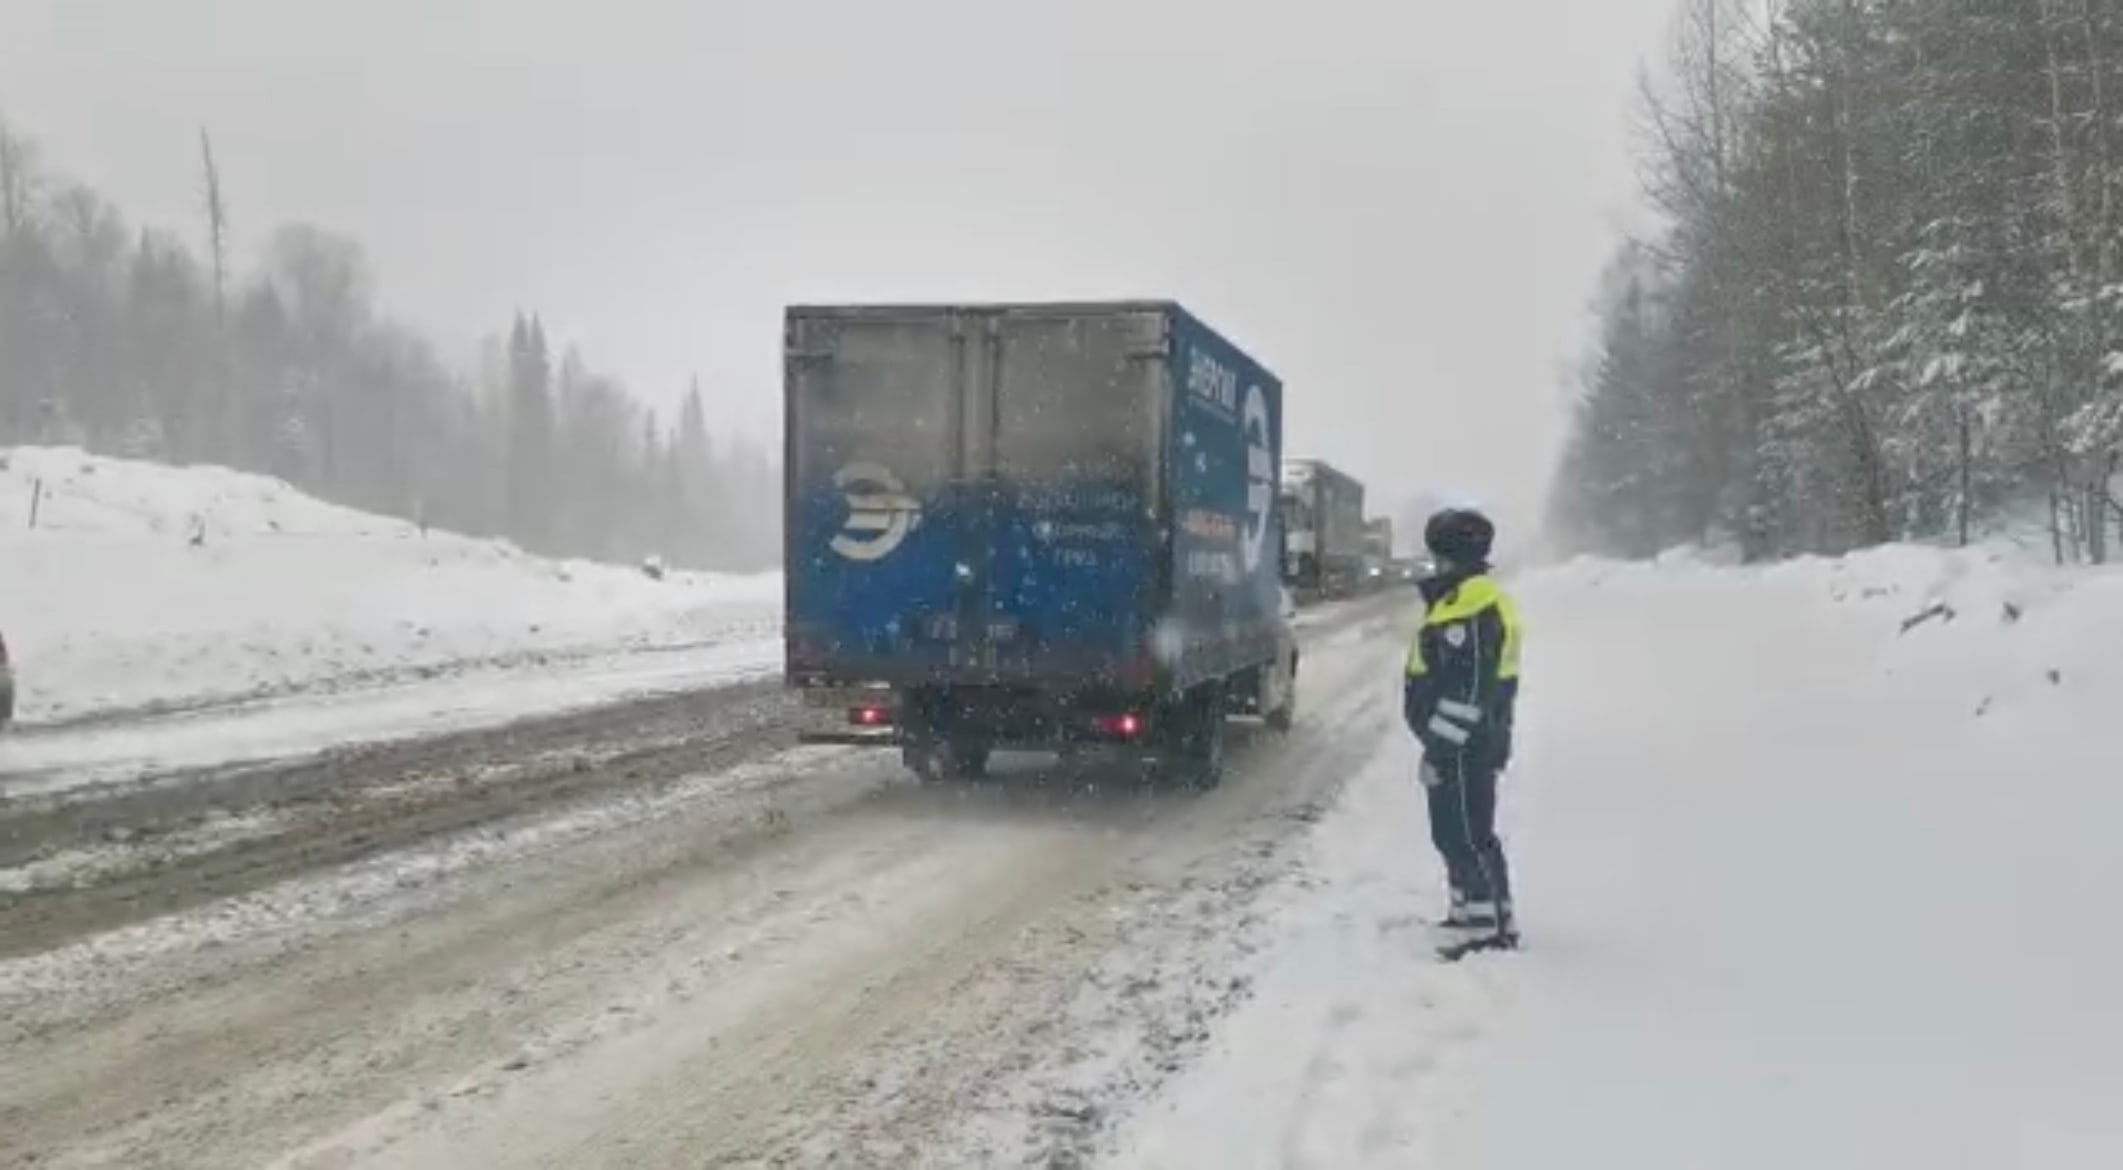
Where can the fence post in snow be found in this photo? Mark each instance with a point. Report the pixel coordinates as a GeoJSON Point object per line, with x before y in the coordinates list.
{"type": "Point", "coordinates": [36, 500]}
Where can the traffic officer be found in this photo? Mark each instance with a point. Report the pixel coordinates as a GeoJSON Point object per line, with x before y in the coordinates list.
{"type": "Point", "coordinates": [1461, 689]}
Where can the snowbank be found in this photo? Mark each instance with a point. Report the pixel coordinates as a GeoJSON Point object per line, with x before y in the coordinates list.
{"type": "Point", "coordinates": [1976, 630]}
{"type": "Point", "coordinates": [1814, 862]}
{"type": "Point", "coordinates": [109, 605]}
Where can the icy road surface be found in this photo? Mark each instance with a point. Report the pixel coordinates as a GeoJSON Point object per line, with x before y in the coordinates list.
{"type": "Point", "coordinates": [650, 937]}
{"type": "Point", "coordinates": [1801, 887]}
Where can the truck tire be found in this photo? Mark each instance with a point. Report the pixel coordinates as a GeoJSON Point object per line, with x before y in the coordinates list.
{"type": "Point", "coordinates": [1282, 718]}
{"type": "Point", "coordinates": [1192, 754]}
{"type": "Point", "coordinates": [937, 761]}
{"type": "Point", "coordinates": [1204, 761]}
{"type": "Point", "coordinates": [969, 761]}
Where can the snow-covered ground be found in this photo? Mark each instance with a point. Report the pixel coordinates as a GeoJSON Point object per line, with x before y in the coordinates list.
{"type": "Point", "coordinates": [89, 760]}
{"type": "Point", "coordinates": [1815, 864]}
{"type": "Point", "coordinates": [788, 957]}
{"type": "Point", "coordinates": [295, 625]}
{"type": "Point", "coordinates": [109, 606]}
{"type": "Point", "coordinates": [1800, 888]}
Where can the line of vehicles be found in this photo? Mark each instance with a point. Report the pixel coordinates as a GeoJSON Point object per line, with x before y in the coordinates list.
{"type": "Point", "coordinates": [1051, 526]}
{"type": "Point", "coordinates": [1056, 526]}
{"type": "Point", "coordinates": [1330, 548]}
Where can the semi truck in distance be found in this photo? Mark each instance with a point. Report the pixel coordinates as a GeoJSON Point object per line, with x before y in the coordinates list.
{"type": "Point", "coordinates": [1033, 526]}
{"type": "Point", "coordinates": [1379, 569]}
{"type": "Point", "coordinates": [1323, 518]}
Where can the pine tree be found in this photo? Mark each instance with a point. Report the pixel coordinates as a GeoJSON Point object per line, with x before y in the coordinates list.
{"type": "Point", "coordinates": [126, 342]}
{"type": "Point", "coordinates": [530, 434]}
{"type": "Point", "coordinates": [1887, 281]}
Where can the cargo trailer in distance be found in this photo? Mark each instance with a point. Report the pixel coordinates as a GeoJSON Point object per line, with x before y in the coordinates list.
{"type": "Point", "coordinates": [1323, 516]}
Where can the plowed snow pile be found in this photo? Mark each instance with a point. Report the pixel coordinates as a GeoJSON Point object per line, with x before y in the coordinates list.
{"type": "Point", "coordinates": [108, 604]}
{"type": "Point", "coordinates": [1817, 866]}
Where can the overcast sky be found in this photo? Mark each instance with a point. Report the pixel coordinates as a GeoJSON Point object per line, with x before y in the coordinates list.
{"type": "Point", "coordinates": [1399, 205]}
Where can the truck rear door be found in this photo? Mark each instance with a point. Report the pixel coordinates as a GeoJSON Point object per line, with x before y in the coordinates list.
{"type": "Point", "coordinates": [1077, 415]}
{"type": "Point", "coordinates": [972, 491]}
{"type": "Point", "coordinates": [877, 444]}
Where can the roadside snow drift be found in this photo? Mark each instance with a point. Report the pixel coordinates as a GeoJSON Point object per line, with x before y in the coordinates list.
{"type": "Point", "coordinates": [1817, 867]}
{"type": "Point", "coordinates": [146, 586]}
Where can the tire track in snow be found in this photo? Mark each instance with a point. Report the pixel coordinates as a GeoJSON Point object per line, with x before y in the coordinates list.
{"type": "Point", "coordinates": [352, 805]}
{"type": "Point", "coordinates": [228, 1054]}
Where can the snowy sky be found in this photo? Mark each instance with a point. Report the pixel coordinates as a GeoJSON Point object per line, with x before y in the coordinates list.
{"type": "Point", "coordinates": [1399, 205]}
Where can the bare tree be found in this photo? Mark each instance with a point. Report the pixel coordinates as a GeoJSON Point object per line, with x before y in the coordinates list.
{"type": "Point", "coordinates": [1885, 283]}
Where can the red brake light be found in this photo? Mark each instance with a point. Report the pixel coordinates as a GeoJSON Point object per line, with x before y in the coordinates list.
{"type": "Point", "coordinates": [870, 716]}
{"type": "Point", "coordinates": [1126, 725]}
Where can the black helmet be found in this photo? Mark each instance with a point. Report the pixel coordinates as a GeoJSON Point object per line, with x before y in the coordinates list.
{"type": "Point", "coordinates": [1459, 536]}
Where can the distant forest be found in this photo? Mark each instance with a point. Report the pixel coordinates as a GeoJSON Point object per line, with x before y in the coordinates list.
{"type": "Point", "coordinates": [157, 345]}
{"type": "Point", "coordinates": [1886, 298]}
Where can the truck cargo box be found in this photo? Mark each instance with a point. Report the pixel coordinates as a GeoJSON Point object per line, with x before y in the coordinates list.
{"type": "Point", "coordinates": [1323, 509]}
{"type": "Point", "coordinates": [1043, 495]}
{"type": "Point", "coordinates": [1378, 538]}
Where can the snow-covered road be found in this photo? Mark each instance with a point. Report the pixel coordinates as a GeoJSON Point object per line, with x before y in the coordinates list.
{"type": "Point", "coordinates": [1799, 891]}
{"type": "Point", "coordinates": [62, 762]}
{"type": "Point", "coordinates": [1801, 887]}
{"type": "Point", "coordinates": [801, 955]}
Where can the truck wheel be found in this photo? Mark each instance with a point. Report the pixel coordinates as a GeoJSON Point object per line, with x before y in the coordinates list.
{"type": "Point", "coordinates": [969, 761]}
{"type": "Point", "coordinates": [1281, 718]}
{"type": "Point", "coordinates": [1284, 717]}
{"type": "Point", "coordinates": [1194, 753]}
{"type": "Point", "coordinates": [937, 761]}
{"type": "Point", "coordinates": [1205, 759]}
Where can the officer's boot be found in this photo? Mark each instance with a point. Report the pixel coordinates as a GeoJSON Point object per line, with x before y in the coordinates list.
{"type": "Point", "coordinates": [1456, 915]}
{"type": "Point", "coordinates": [1507, 926]}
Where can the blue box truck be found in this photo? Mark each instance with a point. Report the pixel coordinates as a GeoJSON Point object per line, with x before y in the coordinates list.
{"type": "Point", "coordinates": [1032, 526]}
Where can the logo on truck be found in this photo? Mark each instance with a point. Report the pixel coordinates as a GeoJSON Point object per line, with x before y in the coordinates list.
{"type": "Point", "coordinates": [880, 512]}
{"type": "Point", "coordinates": [1260, 476]}
{"type": "Point", "coordinates": [1213, 382]}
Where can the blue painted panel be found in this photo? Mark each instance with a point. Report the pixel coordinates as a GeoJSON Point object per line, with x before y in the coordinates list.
{"type": "Point", "coordinates": [1050, 568]}
{"type": "Point", "coordinates": [1223, 468]}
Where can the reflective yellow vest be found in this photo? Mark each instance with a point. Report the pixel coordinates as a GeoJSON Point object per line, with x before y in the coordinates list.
{"type": "Point", "coordinates": [1463, 671]}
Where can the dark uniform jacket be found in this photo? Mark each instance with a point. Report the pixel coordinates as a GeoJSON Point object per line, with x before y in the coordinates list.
{"type": "Point", "coordinates": [1463, 671]}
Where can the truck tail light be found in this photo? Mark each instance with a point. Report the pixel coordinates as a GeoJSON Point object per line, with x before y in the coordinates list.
{"type": "Point", "coordinates": [870, 715]}
{"type": "Point", "coordinates": [1126, 725]}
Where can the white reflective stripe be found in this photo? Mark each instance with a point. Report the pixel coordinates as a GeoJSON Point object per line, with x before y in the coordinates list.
{"type": "Point", "coordinates": [1465, 712]}
{"type": "Point", "coordinates": [1451, 733]}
